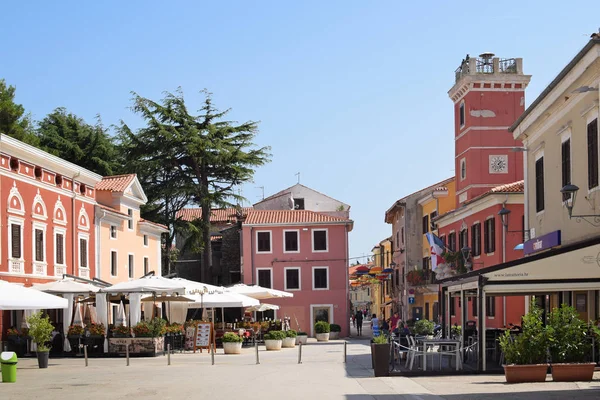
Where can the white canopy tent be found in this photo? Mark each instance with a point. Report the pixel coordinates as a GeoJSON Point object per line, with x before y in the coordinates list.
{"type": "Point", "coordinates": [222, 301]}
{"type": "Point", "coordinates": [263, 307]}
{"type": "Point", "coordinates": [16, 297]}
{"type": "Point", "coordinates": [258, 292]}
{"type": "Point", "coordinates": [193, 287]}
{"type": "Point", "coordinates": [66, 285]}
{"type": "Point", "coordinates": [149, 284]}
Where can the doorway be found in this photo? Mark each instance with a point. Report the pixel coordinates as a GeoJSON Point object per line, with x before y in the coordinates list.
{"type": "Point", "coordinates": [417, 313]}
{"type": "Point", "coordinates": [320, 312]}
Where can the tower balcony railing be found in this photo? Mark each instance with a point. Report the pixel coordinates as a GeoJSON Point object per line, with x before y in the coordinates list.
{"type": "Point", "coordinates": [488, 66]}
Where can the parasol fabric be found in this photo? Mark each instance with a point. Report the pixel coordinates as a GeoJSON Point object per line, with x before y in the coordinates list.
{"type": "Point", "coordinates": [16, 297]}
{"type": "Point", "coordinates": [258, 292]}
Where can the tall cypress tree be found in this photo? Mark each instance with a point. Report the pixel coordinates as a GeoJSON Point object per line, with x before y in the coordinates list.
{"type": "Point", "coordinates": [206, 156]}
{"type": "Point", "coordinates": [13, 120]}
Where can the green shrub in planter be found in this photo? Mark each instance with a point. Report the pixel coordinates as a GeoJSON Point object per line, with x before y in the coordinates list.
{"type": "Point", "coordinates": [40, 330]}
{"type": "Point", "coordinates": [335, 328]}
{"type": "Point", "coordinates": [302, 333]}
{"type": "Point", "coordinates": [568, 336]}
{"type": "Point", "coordinates": [424, 327]}
{"type": "Point", "coordinates": [456, 330]}
{"type": "Point", "coordinates": [275, 335]}
{"type": "Point", "coordinates": [381, 339]}
{"type": "Point", "coordinates": [531, 345]}
{"type": "Point", "coordinates": [322, 327]}
{"type": "Point", "coordinates": [230, 337]}
{"type": "Point", "coordinates": [291, 333]}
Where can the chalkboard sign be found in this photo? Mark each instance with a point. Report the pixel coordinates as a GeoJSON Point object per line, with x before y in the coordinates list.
{"type": "Point", "coordinates": [204, 336]}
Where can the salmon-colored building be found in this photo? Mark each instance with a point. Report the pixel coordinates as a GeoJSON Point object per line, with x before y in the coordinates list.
{"type": "Point", "coordinates": [488, 97]}
{"type": "Point", "coordinates": [47, 210]}
{"type": "Point", "coordinates": [305, 253]}
{"type": "Point", "coordinates": [130, 247]}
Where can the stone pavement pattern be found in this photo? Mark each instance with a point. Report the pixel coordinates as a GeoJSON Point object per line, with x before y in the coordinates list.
{"type": "Point", "coordinates": [322, 375]}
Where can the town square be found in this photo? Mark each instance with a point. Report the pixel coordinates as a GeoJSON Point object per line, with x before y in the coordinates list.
{"type": "Point", "coordinates": [340, 200]}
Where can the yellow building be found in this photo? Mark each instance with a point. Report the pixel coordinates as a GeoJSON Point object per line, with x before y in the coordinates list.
{"type": "Point", "coordinates": [439, 201]}
{"type": "Point", "coordinates": [382, 291]}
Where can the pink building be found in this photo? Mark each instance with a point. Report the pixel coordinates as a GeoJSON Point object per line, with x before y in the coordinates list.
{"type": "Point", "coordinates": [303, 252]}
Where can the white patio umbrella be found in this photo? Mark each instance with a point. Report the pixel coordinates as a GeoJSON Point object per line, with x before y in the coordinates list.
{"type": "Point", "coordinates": [77, 317]}
{"type": "Point", "coordinates": [16, 297]}
{"type": "Point", "coordinates": [121, 318]}
{"type": "Point", "coordinates": [258, 292]}
{"type": "Point", "coordinates": [263, 307]}
{"type": "Point", "coordinates": [222, 301]}
{"type": "Point", "coordinates": [66, 285]}
{"type": "Point", "coordinates": [193, 287]}
{"type": "Point", "coordinates": [148, 284]}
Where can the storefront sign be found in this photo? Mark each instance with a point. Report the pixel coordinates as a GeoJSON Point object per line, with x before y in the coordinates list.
{"type": "Point", "coordinates": [543, 242]}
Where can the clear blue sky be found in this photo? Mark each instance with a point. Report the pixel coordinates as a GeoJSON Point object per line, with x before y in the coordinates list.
{"type": "Point", "coordinates": [352, 94]}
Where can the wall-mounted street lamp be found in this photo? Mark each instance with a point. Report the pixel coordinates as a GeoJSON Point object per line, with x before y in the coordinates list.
{"type": "Point", "coordinates": [570, 194]}
{"type": "Point", "coordinates": [504, 213]}
{"type": "Point", "coordinates": [466, 253]}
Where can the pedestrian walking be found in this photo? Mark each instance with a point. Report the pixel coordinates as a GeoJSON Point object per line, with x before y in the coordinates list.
{"type": "Point", "coordinates": [354, 320]}
{"type": "Point", "coordinates": [375, 325]}
{"type": "Point", "coordinates": [359, 322]}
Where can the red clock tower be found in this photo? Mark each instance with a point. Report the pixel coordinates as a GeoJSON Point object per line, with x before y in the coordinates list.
{"type": "Point", "coordinates": [488, 96]}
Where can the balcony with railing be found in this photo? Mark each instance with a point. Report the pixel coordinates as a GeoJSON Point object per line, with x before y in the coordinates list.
{"type": "Point", "coordinates": [60, 270]}
{"type": "Point", "coordinates": [84, 273]}
{"type": "Point", "coordinates": [16, 266]}
{"type": "Point", "coordinates": [39, 268]}
{"type": "Point", "coordinates": [487, 64]}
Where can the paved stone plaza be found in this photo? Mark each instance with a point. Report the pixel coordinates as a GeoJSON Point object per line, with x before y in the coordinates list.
{"type": "Point", "coordinates": [322, 375]}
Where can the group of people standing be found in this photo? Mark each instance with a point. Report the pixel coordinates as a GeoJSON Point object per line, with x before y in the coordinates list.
{"type": "Point", "coordinates": [383, 326]}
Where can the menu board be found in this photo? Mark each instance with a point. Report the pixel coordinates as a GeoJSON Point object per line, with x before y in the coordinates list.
{"type": "Point", "coordinates": [190, 334]}
{"type": "Point", "coordinates": [203, 336]}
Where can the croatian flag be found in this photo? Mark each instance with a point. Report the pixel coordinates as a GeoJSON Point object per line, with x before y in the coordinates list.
{"type": "Point", "coordinates": [437, 248]}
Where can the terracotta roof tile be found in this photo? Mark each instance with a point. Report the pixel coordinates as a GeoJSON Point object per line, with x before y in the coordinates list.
{"type": "Point", "coordinates": [226, 215]}
{"type": "Point", "coordinates": [514, 187]}
{"type": "Point", "coordinates": [258, 217]}
{"type": "Point", "coordinates": [115, 183]}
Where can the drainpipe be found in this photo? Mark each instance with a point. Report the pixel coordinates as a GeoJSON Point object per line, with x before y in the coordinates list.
{"type": "Point", "coordinates": [347, 279]}
{"type": "Point", "coordinates": [527, 234]}
{"type": "Point", "coordinates": [73, 225]}
{"type": "Point", "coordinates": [503, 261]}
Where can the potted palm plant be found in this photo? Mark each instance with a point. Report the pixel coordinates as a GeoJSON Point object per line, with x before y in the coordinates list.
{"type": "Point", "coordinates": [569, 344]}
{"type": "Point", "coordinates": [302, 338]}
{"type": "Point", "coordinates": [334, 331]}
{"type": "Point", "coordinates": [290, 339]}
{"type": "Point", "coordinates": [322, 331]}
{"type": "Point", "coordinates": [274, 340]}
{"type": "Point", "coordinates": [40, 330]}
{"type": "Point", "coordinates": [232, 343]}
{"type": "Point", "coordinates": [526, 354]}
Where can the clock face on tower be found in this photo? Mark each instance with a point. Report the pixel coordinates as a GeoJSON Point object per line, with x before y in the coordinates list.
{"type": "Point", "coordinates": [498, 164]}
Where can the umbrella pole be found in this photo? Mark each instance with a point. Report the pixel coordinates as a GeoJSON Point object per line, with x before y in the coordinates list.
{"type": "Point", "coordinates": [223, 317]}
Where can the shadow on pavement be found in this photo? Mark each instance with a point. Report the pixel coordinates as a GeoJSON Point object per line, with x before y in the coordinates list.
{"type": "Point", "coordinates": [533, 395]}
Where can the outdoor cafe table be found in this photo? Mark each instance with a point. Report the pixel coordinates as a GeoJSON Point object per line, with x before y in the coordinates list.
{"type": "Point", "coordinates": [441, 342]}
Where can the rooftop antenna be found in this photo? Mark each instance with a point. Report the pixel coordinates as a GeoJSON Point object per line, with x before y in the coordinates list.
{"type": "Point", "coordinates": [298, 175]}
{"type": "Point", "coordinates": [263, 191]}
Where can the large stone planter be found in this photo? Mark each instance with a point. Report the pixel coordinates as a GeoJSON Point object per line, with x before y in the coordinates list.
{"type": "Point", "coordinates": [334, 335]}
{"type": "Point", "coordinates": [301, 339]}
{"type": "Point", "coordinates": [289, 342]}
{"type": "Point", "coordinates": [322, 337]}
{"type": "Point", "coordinates": [273, 344]}
{"type": "Point", "coordinates": [573, 372]}
{"type": "Point", "coordinates": [232, 347]}
{"type": "Point", "coordinates": [142, 346]}
{"type": "Point", "coordinates": [381, 358]}
{"type": "Point", "coordinates": [525, 373]}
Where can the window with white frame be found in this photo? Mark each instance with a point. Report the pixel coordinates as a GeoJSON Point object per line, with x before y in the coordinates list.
{"type": "Point", "coordinates": [38, 244]}
{"type": "Point", "coordinates": [264, 277]}
{"type": "Point", "coordinates": [292, 278]}
{"type": "Point", "coordinates": [463, 169]}
{"type": "Point", "coordinates": [320, 240]}
{"type": "Point", "coordinates": [461, 114]}
{"type": "Point", "coordinates": [113, 231]}
{"type": "Point", "coordinates": [291, 241]}
{"type": "Point", "coordinates": [145, 240]}
{"type": "Point", "coordinates": [16, 239]}
{"type": "Point", "coordinates": [114, 262]}
{"type": "Point", "coordinates": [146, 265]}
{"type": "Point", "coordinates": [130, 264]}
{"type": "Point", "coordinates": [59, 246]}
{"type": "Point", "coordinates": [263, 241]}
{"type": "Point", "coordinates": [320, 278]}
{"type": "Point", "coordinates": [83, 252]}
{"type": "Point", "coordinates": [130, 220]}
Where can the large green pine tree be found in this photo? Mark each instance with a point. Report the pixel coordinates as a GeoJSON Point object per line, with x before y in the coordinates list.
{"type": "Point", "coordinates": [13, 120]}
{"type": "Point", "coordinates": [69, 137]}
{"type": "Point", "coordinates": [207, 157]}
